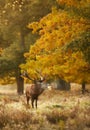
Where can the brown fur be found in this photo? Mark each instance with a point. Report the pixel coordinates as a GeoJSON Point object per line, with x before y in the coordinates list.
{"type": "Point", "coordinates": [32, 92]}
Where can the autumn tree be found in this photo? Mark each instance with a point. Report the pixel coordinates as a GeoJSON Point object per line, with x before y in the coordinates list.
{"type": "Point", "coordinates": [15, 37]}
{"type": "Point", "coordinates": [62, 49]}
{"type": "Point", "coordinates": [82, 43]}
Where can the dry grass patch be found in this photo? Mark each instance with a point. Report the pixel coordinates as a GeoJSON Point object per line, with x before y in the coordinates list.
{"type": "Point", "coordinates": [57, 110]}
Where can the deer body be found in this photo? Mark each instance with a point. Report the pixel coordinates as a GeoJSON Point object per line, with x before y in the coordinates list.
{"type": "Point", "coordinates": [32, 92]}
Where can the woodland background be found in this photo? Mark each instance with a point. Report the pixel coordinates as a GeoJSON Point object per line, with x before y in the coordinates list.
{"type": "Point", "coordinates": [49, 38]}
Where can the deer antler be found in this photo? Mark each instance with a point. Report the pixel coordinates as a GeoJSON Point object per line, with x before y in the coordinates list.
{"type": "Point", "coordinates": [41, 76]}
{"type": "Point", "coordinates": [25, 74]}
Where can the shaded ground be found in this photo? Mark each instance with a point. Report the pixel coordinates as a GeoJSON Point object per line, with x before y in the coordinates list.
{"type": "Point", "coordinates": [57, 110]}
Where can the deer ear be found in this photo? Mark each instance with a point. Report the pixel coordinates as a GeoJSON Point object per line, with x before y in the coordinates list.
{"type": "Point", "coordinates": [41, 78]}
{"type": "Point", "coordinates": [24, 73]}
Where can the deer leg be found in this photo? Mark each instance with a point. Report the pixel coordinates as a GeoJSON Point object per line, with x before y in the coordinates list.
{"type": "Point", "coordinates": [32, 102]}
{"type": "Point", "coordinates": [36, 103]}
{"type": "Point", "coordinates": [28, 100]}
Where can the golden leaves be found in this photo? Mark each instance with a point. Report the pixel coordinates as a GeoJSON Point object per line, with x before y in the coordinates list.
{"type": "Point", "coordinates": [75, 3]}
{"type": "Point", "coordinates": [56, 30]}
{"type": "Point", "coordinates": [1, 50]}
{"type": "Point", "coordinates": [33, 25]}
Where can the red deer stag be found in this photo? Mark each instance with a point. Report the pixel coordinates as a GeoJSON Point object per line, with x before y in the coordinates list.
{"type": "Point", "coordinates": [34, 90]}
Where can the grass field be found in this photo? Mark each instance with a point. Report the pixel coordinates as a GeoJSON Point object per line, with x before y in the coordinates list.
{"type": "Point", "coordinates": [57, 110]}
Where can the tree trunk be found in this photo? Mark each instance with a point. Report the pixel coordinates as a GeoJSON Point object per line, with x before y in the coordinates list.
{"type": "Point", "coordinates": [20, 85]}
{"type": "Point", "coordinates": [83, 88]}
{"type": "Point", "coordinates": [22, 39]}
{"type": "Point", "coordinates": [63, 85]}
{"type": "Point", "coordinates": [19, 79]}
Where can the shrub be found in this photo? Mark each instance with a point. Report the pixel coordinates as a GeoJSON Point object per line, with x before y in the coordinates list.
{"type": "Point", "coordinates": [55, 116]}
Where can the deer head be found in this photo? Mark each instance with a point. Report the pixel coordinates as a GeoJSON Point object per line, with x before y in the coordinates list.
{"type": "Point", "coordinates": [25, 74]}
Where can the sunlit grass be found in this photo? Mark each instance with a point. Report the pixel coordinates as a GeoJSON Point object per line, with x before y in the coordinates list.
{"type": "Point", "coordinates": [57, 110]}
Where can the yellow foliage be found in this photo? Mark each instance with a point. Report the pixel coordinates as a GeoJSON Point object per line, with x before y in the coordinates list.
{"type": "Point", "coordinates": [1, 50]}
{"type": "Point", "coordinates": [7, 80]}
{"type": "Point", "coordinates": [56, 30]}
{"type": "Point", "coordinates": [34, 25]}
{"type": "Point", "coordinates": [76, 3]}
